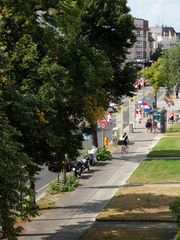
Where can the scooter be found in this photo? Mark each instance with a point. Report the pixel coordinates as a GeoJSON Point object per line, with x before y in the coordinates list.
{"type": "Point", "coordinates": [80, 166]}
{"type": "Point", "coordinates": [76, 168]}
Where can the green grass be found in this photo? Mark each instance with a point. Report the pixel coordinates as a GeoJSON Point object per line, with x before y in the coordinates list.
{"type": "Point", "coordinates": [178, 235]}
{"type": "Point", "coordinates": [174, 128]}
{"type": "Point", "coordinates": [167, 147]}
{"type": "Point", "coordinates": [157, 171]}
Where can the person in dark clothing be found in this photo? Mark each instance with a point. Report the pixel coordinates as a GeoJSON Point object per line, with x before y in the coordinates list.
{"type": "Point", "coordinates": [125, 139]}
{"type": "Point", "coordinates": [177, 91]}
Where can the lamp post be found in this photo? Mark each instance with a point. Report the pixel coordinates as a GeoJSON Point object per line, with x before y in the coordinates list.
{"type": "Point", "coordinates": [143, 82]}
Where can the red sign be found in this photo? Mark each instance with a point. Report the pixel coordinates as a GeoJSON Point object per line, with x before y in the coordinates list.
{"type": "Point", "coordinates": [103, 123]}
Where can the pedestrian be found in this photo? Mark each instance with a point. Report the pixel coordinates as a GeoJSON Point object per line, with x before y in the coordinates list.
{"type": "Point", "coordinates": [155, 126]}
{"type": "Point", "coordinates": [148, 125]}
{"type": "Point", "coordinates": [172, 116]}
{"type": "Point", "coordinates": [177, 91]}
{"type": "Point", "coordinates": [109, 118]}
{"type": "Point", "coordinates": [125, 140]}
{"type": "Point", "coordinates": [154, 105]}
{"type": "Point", "coordinates": [138, 115]}
{"type": "Point", "coordinates": [106, 142]}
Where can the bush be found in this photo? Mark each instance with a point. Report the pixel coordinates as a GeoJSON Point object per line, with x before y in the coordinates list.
{"type": "Point", "coordinates": [175, 208]}
{"type": "Point", "coordinates": [70, 185]}
{"type": "Point", "coordinates": [103, 154]}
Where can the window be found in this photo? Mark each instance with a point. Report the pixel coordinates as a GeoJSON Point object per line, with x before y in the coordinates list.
{"type": "Point", "coordinates": [139, 33]}
{"type": "Point", "coordinates": [139, 44]}
{"type": "Point", "coordinates": [139, 55]}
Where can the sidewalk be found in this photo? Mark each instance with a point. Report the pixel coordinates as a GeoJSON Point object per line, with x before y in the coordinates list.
{"type": "Point", "coordinates": [76, 211]}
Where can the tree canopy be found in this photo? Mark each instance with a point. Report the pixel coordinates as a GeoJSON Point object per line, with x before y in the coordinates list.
{"type": "Point", "coordinates": [60, 60]}
{"type": "Point", "coordinates": [108, 26]}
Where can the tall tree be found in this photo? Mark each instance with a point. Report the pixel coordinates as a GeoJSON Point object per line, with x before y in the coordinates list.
{"type": "Point", "coordinates": [32, 44]}
{"type": "Point", "coordinates": [14, 179]}
{"type": "Point", "coordinates": [109, 26]}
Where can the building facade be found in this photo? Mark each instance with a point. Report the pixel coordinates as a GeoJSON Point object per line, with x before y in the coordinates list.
{"type": "Point", "coordinates": [164, 37]}
{"type": "Point", "coordinates": [143, 48]}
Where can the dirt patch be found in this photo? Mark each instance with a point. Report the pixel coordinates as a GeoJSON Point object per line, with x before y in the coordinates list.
{"type": "Point", "coordinates": [140, 203]}
{"type": "Point", "coordinates": [113, 233]}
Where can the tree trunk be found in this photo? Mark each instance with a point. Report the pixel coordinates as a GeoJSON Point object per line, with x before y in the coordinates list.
{"type": "Point", "coordinates": [32, 186]}
{"type": "Point", "coordinates": [64, 177]}
{"type": "Point", "coordinates": [155, 100]}
{"type": "Point", "coordinates": [94, 136]}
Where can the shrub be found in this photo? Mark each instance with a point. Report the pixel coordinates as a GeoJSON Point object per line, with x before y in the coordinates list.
{"type": "Point", "coordinates": [175, 208]}
{"type": "Point", "coordinates": [103, 154]}
{"type": "Point", "coordinates": [70, 185]}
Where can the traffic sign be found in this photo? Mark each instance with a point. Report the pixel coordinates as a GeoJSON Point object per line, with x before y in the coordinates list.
{"type": "Point", "coordinates": [103, 124]}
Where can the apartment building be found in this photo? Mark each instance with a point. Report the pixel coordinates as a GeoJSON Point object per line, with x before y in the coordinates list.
{"type": "Point", "coordinates": [143, 48]}
{"type": "Point", "coordinates": [164, 37]}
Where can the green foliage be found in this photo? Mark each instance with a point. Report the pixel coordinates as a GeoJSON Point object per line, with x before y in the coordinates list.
{"type": "Point", "coordinates": [70, 185]}
{"type": "Point", "coordinates": [14, 179]}
{"type": "Point", "coordinates": [108, 26]}
{"type": "Point", "coordinates": [103, 154]}
{"type": "Point", "coordinates": [157, 54]}
{"type": "Point", "coordinates": [178, 234]}
{"type": "Point", "coordinates": [52, 69]}
{"type": "Point", "coordinates": [164, 72]}
{"type": "Point", "coordinates": [175, 208]}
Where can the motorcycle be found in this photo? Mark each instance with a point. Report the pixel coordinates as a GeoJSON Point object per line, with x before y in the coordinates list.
{"type": "Point", "coordinates": [76, 168]}
{"type": "Point", "coordinates": [80, 166]}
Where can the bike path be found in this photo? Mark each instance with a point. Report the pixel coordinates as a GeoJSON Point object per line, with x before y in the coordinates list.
{"type": "Point", "coordinates": [76, 211]}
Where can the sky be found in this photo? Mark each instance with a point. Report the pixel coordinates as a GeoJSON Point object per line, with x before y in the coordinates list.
{"type": "Point", "coordinates": [157, 12]}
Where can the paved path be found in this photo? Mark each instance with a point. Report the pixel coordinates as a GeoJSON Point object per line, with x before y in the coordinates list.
{"type": "Point", "coordinates": [76, 211]}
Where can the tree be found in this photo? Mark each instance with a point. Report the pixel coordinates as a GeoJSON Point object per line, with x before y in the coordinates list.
{"type": "Point", "coordinates": [108, 26]}
{"type": "Point", "coordinates": [158, 53]}
{"type": "Point", "coordinates": [155, 75]}
{"type": "Point", "coordinates": [14, 179]}
{"type": "Point", "coordinates": [172, 60]}
{"type": "Point", "coordinates": [165, 71]}
{"type": "Point", "coordinates": [31, 78]}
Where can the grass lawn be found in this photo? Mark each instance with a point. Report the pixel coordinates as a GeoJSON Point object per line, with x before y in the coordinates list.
{"type": "Point", "coordinates": [174, 128]}
{"type": "Point", "coordinates": [168, 146]}
{"type": "Point", "coordinates": [157, 171]}
{"type": "Point", "coordinates": [140, 203]}
{"type": "Point", "coordinates": [114, 233]}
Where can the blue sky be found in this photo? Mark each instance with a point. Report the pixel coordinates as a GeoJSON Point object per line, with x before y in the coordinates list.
{"type": "Point", "coordinates": [157, 12]}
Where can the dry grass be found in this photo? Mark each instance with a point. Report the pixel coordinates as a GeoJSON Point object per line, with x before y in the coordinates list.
{"type": "Point", "coordinates": [141, 203]}
{"type": "Point", "coordinates": [47, 201]}
{"type": "Point", "coordinates": [114, 233]}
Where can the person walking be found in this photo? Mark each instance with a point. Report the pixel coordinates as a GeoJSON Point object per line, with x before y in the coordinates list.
{"type": "Point", "coordinates": [177, 91]}
{"type": "Point", "coordinates": [125, 141]}
{"type": "Point", "coordinates": [148, 125]}
{"type": "Point", "coordinates": [155, 126]}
